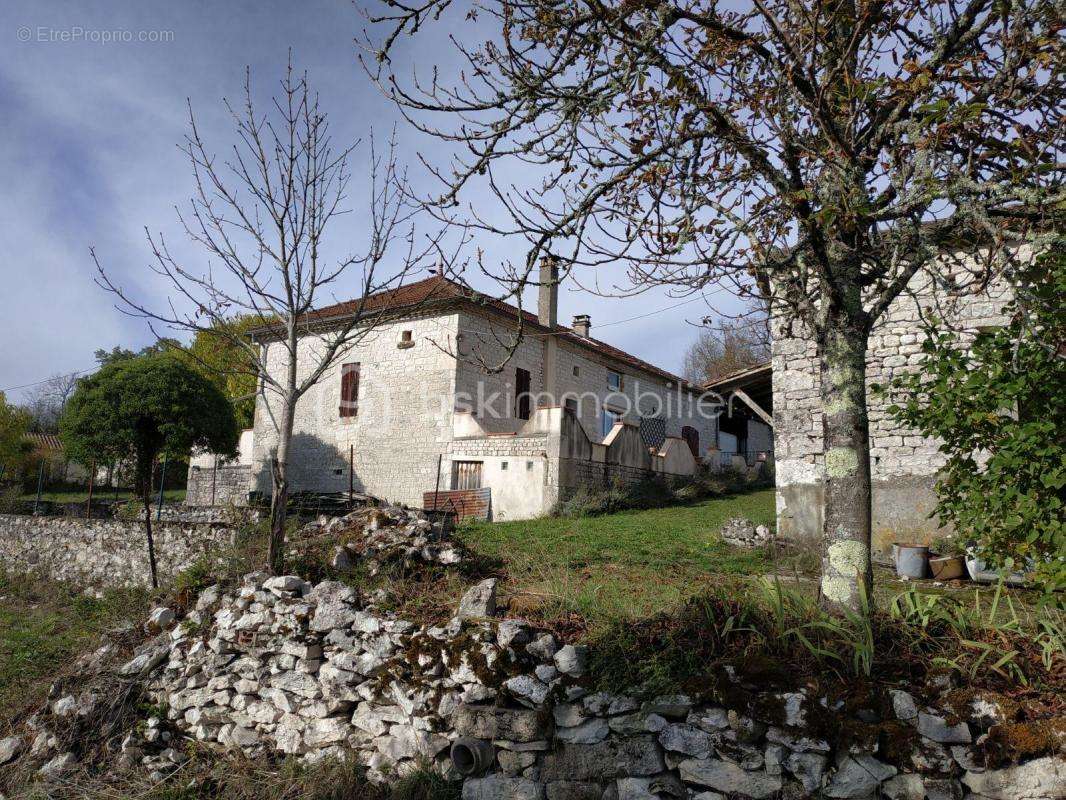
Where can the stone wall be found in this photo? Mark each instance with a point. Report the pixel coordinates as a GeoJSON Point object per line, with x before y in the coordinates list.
{"type": "Point", "coordinates": [102, 552]}
{"type": "Point", "coordinates": [408, 393]}
{"type": "Point", "coordinates": [403, 424]}
{"type": "Point", "coordinates": [278, 665]}
{"type": "Point", "coordinates": [221, 485]}
{"type": "Point", "coordinates": [903, 463]}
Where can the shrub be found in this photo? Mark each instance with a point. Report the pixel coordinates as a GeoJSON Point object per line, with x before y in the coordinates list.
{"type": "Point", "coordinates": [999, 409]}
{"type": "Point", "coordinates": [653, 491]}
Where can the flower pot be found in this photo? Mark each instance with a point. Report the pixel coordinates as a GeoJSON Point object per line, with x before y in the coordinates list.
{"type": "Point", "coordinates": [947, 568]}
{"type": "Point", "coordinates": [912, 560]}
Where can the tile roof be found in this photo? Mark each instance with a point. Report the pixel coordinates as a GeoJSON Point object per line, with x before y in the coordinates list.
{"type": "Point", "coordinates": [439, 289]}
{"type": "Point", "coordinates": [45, 441]}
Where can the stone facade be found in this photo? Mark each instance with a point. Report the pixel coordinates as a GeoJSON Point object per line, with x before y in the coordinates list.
{"type": "Point", "coordinates": [426, 400]}
{"type": "Point", "coordinates": [903, 463]}
{"type": "Point", "coordinates": [403, 421]}
{"type": "Point", "coordinates": [103, 552]}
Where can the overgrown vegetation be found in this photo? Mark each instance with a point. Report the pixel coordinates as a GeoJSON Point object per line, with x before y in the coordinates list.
{"type": "Point", "coordinates": [776, 635]}
{"type": "Point", "coordinates": [998, 406]}
{"type": "Point", "coordinates": [44, 625]}
{"type": "Point", "coordinates": [657, 491]}
{"type": "Point", "coordinates": [209, 775]}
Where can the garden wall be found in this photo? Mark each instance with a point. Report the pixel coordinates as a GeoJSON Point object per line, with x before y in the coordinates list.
{"type": "Point", "coordinates": [279, 665]}
{"type": "Point", "coordinates": [103, 552]}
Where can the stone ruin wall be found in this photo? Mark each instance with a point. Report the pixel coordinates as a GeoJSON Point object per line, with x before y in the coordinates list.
{"type": "Point", "coordinates": [280, 665]}
{"type": "Point", "coordinates": [106, 552]}
{"type": "Point", "coordinates": [903, 463]}
{"type": "Point", "coordinates": [277, 665]}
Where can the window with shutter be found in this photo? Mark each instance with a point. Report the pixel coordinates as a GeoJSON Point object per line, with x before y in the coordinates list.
{"type": "Point", "coordinates": [349, 406]}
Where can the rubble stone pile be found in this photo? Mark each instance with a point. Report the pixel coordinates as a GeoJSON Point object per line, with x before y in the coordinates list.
{"type": "Point", "coordinates": [378, 536]}
{"type": "Point", "coordinates": [741, 532]}
{"type": "Point", "coordinates": [285, 666]}
{"type": "Point", "coordinates": [277, 664]}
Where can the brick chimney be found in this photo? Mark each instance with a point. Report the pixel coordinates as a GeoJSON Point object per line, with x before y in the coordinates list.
{"type": "Point", "coordinates": [548, 293]}
{"type": "Point", "coordinates": [581, 325]}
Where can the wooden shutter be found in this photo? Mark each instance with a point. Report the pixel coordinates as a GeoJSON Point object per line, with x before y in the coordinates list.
{"type": "Point", "coordinates": [521, 391]}
{"type": "Point", "coordinates": [349, 390]}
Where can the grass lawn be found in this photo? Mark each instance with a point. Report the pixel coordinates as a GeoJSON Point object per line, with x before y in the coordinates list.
{"type": "Point", "coordinates": [44, 625]}
{"type": "Point", "coordinates": [625, 565]}
{"type": "Point", "coordinates": [102, 494]}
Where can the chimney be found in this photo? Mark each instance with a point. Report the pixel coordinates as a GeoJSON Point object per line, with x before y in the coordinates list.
{"type": "Point", "coordinates": [582, 324]}
{"type": "Point", "coordinates": [548, 294]}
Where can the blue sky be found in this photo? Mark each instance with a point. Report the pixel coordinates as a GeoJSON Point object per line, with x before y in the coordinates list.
{"type": "Point", "coordinates": [88, 151]}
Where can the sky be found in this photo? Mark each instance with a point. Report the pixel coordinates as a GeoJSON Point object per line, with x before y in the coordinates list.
{"type": "Point", "coordinates": [93, 98]}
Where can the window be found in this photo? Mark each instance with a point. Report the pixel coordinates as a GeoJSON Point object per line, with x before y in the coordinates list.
{"type": "Point", "coordinates": [608, 419]}
{"type": "Point", "coordinates": [692, 437]}
{"type": "Point", "coordinates": [614, 381]}
{"type": "Point", "coordinates": [406, 340]}
{"type": "Point", "coordinates": [521, 391]}
{"type": "Point", "coordinates": [577, 372]}
{"type": "Point", "coordinates": [503, 466]}
{"type": "Point", "coordinates": [349, 390]}
{"type": "Point", "coordinates": [466, 475]}
{"type": "Point", "coordinates": [529, 466]}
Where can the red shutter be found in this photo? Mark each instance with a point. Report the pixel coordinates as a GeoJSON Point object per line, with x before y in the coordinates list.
{"type": "Point", "coordinates": [349, 390]}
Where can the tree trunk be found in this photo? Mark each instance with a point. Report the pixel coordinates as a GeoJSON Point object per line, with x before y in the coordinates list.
{"type": "Point", "coordinates": [846, 571]}
{"type": "Point", "coordinates": [279, 499]}
{"type": "Point", "coordinates": [145, 482]}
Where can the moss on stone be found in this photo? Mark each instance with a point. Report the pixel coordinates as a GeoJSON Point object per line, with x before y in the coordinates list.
{"type": "Point", "coordinates": [841, 462]}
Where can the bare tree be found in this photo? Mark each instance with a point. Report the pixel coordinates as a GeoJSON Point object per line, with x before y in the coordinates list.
{"type": "Point", "coordinates": [262, 216]}
{"type": "Point", "coordinates": [820, 154]}
{"type": "Point", "coordinates": [45, 402]}
{"type": "Point", "coordinates": [725, 345]}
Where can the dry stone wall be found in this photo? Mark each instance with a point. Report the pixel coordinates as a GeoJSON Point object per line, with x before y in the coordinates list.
{"type": "Point", "coordinates": [278, 665]}
{"type": "Point", "coordinates": [103, 552]}
{"type": "Point", "coordinates": [316, 671]}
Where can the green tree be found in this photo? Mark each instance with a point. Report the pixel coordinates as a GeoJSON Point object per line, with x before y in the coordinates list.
{"type": "Point", "coordinates": [118, 353]}
{"type": "Point", "coordinates": [998, 406]}
{"type": "Point", "coordinates": [140, 408]}
{"type": "Point", "coordinates": [14, 422]}
{"type": "Point", "coordinates": [226, 364]}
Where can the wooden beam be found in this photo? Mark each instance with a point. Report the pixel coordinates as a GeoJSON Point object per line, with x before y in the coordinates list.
{"type": "Point", "coordinates": [754, 407]}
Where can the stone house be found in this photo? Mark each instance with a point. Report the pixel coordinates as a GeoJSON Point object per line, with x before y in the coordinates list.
{"type": "Point", "coordinates": [414, 414]}
{"type": "Point", "coordinates": [903, 464]}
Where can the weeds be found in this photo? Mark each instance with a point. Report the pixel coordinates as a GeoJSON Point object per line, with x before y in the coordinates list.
{"type": "Point", "coordinates": [654, 491]}
{"type": "Point", "coordinates": [741, 624]}
{"type": "Point", "coordinates": [209, 777]}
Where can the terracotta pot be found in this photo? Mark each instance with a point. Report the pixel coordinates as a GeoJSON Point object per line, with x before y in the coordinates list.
{"type": "Point", "coordinates": [947, 568]}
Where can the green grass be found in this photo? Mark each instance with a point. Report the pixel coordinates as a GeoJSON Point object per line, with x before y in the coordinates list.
{"type": "Point", "coordinates": [102, 494]}
{"type": "Point", "coordinates": [44, 625]}
{"type": "Point", "coordinates": [599, 569]}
